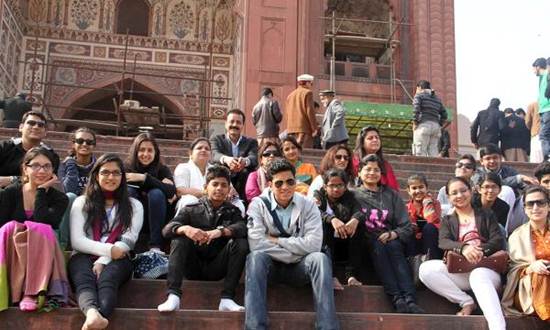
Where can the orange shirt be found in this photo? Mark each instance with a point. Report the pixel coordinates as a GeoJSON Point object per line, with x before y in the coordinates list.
{"type": "Point", "coordinates": [541, 244]}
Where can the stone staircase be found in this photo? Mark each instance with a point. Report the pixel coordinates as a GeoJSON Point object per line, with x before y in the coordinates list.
{"type": "Point", "coordinates": [290, 308]}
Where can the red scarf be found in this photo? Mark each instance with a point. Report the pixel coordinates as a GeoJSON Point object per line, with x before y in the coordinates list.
{"type": "Point", "coordinates": [431, 211]}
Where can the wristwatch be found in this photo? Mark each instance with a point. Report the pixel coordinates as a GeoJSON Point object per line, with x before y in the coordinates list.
{"type": "Point", "coordinates": [220, 228]}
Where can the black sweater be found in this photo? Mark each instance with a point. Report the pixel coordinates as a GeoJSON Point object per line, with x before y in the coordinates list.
{"type": "Point", "coordinates": [49, 206]}
{"type": "Point", "coordinates": [155, 181]}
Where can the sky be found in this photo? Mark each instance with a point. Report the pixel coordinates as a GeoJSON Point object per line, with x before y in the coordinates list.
{"type": "Point", "coordinates": [497, 42]}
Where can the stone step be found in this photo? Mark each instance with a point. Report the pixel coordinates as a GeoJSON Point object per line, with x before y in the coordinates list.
{"type": "Point", "coordinates": [132, 319]}
{"type": "Point", "coordinates": [206, 295]}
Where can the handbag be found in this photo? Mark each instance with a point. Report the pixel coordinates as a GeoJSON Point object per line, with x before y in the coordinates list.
{"type": "Point", "coordinates": [150, 265]}
{"type": "Point", "coordinates": [457, 263]}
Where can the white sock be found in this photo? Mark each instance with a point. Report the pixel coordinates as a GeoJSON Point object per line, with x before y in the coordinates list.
{"type": "Point", "coordinates": [171, 304]}
{"type": "Point", "coordinates": [228, 305]}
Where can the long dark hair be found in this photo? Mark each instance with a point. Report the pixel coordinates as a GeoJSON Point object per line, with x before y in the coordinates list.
{"type": "Point", "coordinates": [360, 152]}
{"type": "Point", "coordinates": [132, 162]}
{"type": "Point", "coordinates": [94, 206]}
{"type": "Point", "coordinates": [83, 129]}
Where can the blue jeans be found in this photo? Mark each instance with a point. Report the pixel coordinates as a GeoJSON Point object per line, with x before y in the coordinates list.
{"type": "Point", "coordinates": [393, 269]}
{"type": "Point", "coordinates": [154, 203]}
{"type": "Point", "coordinates": [315, 268]}
{"type": "Point", "coordinates": [428, 244]}
{"type": "Point", "coordinates": [544, 134]}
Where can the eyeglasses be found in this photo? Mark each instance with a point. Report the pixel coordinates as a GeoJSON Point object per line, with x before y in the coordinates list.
{"type": "Point", "coordinates": [336, 186]}
{"type": "Point", "coordinates": [89, 142]}
{"type": "Point", "coordinates": [341, 157]}
{"type": "Point", "coordinates": [107, 173]}
{"type": "Point", "coordinates": [289, 182]}
{"type": "Point", "coordinates": [271, 154]}
{"type": "Point", "coordinates": [37, 167]}
{"type": "Point", "coordinates": [539, 203]}
{"type": "Point", "coordinates": [468, 166]}
{"type": "Point", "coordinates": [33, 123]}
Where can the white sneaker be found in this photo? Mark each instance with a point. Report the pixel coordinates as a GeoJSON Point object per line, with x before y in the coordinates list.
{"type": "Point", "coordinates": [228, 305]}
{"type": "Point", "coordinates": [171, 304]}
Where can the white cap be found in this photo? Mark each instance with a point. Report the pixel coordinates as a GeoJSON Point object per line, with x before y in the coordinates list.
{"type": "Point", "coordinates": [305, 77]}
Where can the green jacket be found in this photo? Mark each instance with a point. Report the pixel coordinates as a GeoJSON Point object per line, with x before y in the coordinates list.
{"type": "Point", "coordinates": [544, 103]}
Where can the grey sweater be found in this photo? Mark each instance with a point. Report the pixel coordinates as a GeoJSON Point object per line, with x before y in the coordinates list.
{"type": "Point", "coordinates": [428, 107]}
{"type": "Point", "coordinates": [266, 117]}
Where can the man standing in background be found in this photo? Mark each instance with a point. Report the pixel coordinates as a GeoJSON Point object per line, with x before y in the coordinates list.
{"type": "Point", "coordinates": [539, 67]}
{"type": "Point", "coordinates": [266, 117]}
{"type": "Point", "coordinates": [532, 120]}
{"type": "Point", "coordinates": [300, 114]}
{"type": "Point", "coordinates": [334, 121]}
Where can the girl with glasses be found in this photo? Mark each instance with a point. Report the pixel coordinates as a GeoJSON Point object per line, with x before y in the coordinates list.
{"type": "Point", "coordinates": [32, 209]}
{"type": "Point", "coordinates": [528, 284]}
{"type": "Point", "coordinates": [257, 180]}
{"type": "Point", "coordinates": [73, 173]}
{"type": "Point", "coordinates": [337, 206]}
{"type": "Point", "coordinates": [338, 156]}
{"type": "Point", "coordinates": [384, 223]}
{"type": "Point", "coordinates": [105, 225]}
{"type": "Point", "coordinates": [474, 233]}
{"type": "Point", "coordinates": [152, 183]}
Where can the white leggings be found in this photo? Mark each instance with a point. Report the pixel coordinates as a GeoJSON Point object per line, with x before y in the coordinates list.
{"type": "Point", "coordinates": [484, 282]}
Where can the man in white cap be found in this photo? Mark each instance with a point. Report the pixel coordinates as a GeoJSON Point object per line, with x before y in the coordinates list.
{"type": "Point", "coordinates": [300, 113]}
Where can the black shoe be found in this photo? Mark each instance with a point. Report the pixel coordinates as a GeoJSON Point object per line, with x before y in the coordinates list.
{"type": "Point", "coordinates": [414, 308]}
{"type": "Point", "coordinates": [401, 306]}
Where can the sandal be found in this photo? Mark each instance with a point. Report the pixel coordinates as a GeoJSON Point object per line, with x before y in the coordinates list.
{"type": "Point", "coordinates": [28, 304]}
{"type": "Point", "coordinates": [467, 310]}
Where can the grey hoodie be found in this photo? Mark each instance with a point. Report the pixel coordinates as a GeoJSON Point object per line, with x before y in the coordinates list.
{"type": "Point", "coordinates": [305, 229]}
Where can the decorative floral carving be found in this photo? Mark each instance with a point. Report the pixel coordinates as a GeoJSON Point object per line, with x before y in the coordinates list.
{"type": "Point", "coordinates": [181, 19]}
{"type": "Point", "coordinates": [84, 12]}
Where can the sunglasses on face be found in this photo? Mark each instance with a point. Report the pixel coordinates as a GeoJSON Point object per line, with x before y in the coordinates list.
{"type": "Point", "coordinates": [33, 123]}
{"type": "Point", "coordinates": [289, 182]}
{"type": "Point", "coordinates": [82, 141]}
{"type": "Point", "coordinates": [271, 154]}
{"type": "Point", "coordinates": [467, 166]}
{"type": "Point", "coordinates": [341, 157]}
{"type": "Point", "coordinates": [539, 203]}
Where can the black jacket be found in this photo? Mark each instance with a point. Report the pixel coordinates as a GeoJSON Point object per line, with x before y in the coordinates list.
{"type": "Point", "coordinates": [202, 215]}
{"type": "Point", "coordinates": [14, 109]}
{"type": "Point", "coordinates": [248, 148]}
{"type": "Point", "coordinates": [12, 153]}
{"type": "Point", "coordinates": [155, 180]}
{"type": "Point", "coordinates": [515, 134]}
{"type": "Point", "coordinates": [486, 224]}
{"type": "Point", "coordinates": [343, 208]}
{"type": "Point", "coordinates": [486, 127]}
{"type": "Point", "coordinates": [49, 206]}
{"type": "Point", "coordinates": [500, 208]}
{"type": "Point", "coordinates": [428, 107]}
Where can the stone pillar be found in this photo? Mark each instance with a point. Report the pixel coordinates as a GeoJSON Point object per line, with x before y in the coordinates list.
{"type": "Point", "coordinates": [434, 52]}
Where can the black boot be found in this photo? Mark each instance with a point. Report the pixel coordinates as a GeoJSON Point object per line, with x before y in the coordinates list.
{"type": "Point", "coordinates": [414, 308]}
{"type": "Point", "coordinates": [400, 305]}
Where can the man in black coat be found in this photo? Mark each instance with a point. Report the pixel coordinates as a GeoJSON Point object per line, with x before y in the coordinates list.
{"type": "Point", "coordinates": [236, 151]}
{"type": "Point", "coordinates": [487, 125]}
{"type": "Point", "coordinates": [515, 137]}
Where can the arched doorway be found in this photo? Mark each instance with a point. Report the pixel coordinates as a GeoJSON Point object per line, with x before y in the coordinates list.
{"type": "Point", "coordinates": [133, 16]}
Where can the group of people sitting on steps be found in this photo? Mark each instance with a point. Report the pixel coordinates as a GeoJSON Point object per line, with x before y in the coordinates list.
{"type": "Point", "coordinates": [234, 206]}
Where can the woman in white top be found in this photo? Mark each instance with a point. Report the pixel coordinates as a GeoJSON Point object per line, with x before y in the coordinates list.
{"type": "Point", "coordinates": [105, 224]}
{"type": "Point", "coordinates": [190, 177]}
{"type": "Point", "coordinates": [338, 156]}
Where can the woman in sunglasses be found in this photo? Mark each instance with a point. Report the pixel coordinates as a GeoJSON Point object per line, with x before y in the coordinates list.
{"type": "Point", "coordinates": [32, 209]}
{"type": "Point", "coordinates": [305, 172]}
{"type": "Point", "coordinates": [152, 183]}
{"type": "Point", "coordinates": [465, 167]}
{"type": "Point", "coordinates": [105, 225]}
{"type": "Point", "coordinates": [73, 174]}
{"type": "Point", "coordinates": [474, 233]}
{"type": "Point", "coordinates": [383, 221]}
{"type": "Point", "coordinates": [528, 284]}
{"type": "Point", "coordinates": [368, 142]}
{"type": "Point", "coordinates": [338, 156]}
{"type": "Point", "coordinates": [257, 180]}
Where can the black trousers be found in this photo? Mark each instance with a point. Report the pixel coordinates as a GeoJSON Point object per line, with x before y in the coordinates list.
{"type": "Point", "coordinates": [222, 258]}
{"type": "Point", "coordinates": [100, 293]}
{"type": "Point", "coordinates": [354, 248]}
{"type": "Point", "coordinates": [239, 182]}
